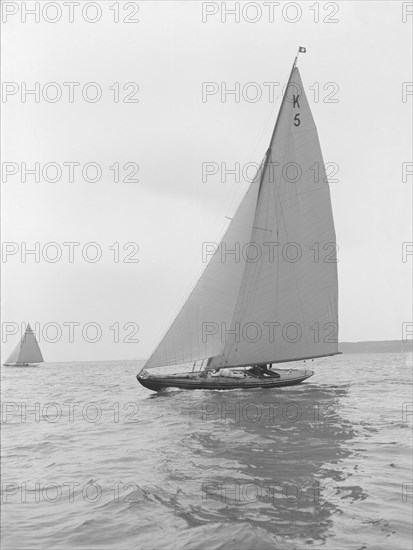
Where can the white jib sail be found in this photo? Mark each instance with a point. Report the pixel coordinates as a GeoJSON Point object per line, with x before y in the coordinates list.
{"type": "Point", "coordinates": [193, 335]}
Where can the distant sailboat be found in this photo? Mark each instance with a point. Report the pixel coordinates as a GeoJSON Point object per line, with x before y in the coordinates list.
{"type": "Point", "coordinates": [292, 304]}
{"type": "Point", "coordinates": [27, 352]}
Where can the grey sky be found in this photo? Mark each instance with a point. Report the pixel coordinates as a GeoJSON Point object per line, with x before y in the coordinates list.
{"type": "Point", "coordinates": [170, 133]}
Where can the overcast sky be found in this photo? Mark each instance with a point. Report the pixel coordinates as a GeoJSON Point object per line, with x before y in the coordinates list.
{"type": "Point", "coordinates": [361, 60]}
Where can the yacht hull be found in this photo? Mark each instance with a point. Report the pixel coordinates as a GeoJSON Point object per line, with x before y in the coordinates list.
{"type": "Point", "coordinates": [193, 381]}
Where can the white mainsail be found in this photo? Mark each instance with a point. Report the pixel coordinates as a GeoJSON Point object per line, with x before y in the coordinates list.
{"type": "Point", "coordinates": [287, 306]}
{"type": "Point", "coordinates": [278, 301]}
{"type": "Point", "coordinates": [27, 350]}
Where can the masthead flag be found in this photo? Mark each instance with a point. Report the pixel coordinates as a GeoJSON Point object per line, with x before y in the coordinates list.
{"type": "Point", "coordinates": [301, 49]}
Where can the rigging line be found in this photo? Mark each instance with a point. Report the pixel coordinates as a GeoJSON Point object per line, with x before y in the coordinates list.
{"type": "Point", "coordinates": [192, 286]}
{"type": "Point", "coordinates": [262, 228]}
{"type": "Point", "coordinates": [233, 201]}
{"type": "Point", "coordinates": [272, 189]}
{"type": "Point", "coordinates": [256, 271]}
{"type": "Point", "coordinates": [286, 233]}
{"type": "Point", "coordinates": [257, 174]}
{"type": "Point", "coordinates": [251, 290]}
{"type": "Point", "coordinates": [259, 264]}
{"type": "Point", "coordinates": [263, 130]}
{"type": "Point", "coordinates": [246, 301]}
{"type": "Point", "coordinates": [244, 304]}
{"type": "Point", "coordinates": [291, 143]}
{"type": "Point", "coordinates": [238, 200]}
{"type": "Point", "coordinates": [277, 278]}
{"type": "Point", "coordinates": [243, 300]}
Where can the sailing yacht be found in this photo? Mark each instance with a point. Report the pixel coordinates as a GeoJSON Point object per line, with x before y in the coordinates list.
{"type": "Point", "coordinates": [277, 303]}
{"type": "Point", "coordinates": [27, 352]}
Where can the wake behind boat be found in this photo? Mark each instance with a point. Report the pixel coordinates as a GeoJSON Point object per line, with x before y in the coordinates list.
{"type": "Point", "coordinates": [277, 301]}
{"type": "Point", "coordinates": [27, 352]}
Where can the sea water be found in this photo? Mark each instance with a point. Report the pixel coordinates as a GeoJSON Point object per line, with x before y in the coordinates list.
{"type": "Point", "coordinates": [91, 459]}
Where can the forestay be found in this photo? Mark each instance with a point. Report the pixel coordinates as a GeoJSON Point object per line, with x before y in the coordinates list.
{"type": "Point", "coordinates": [279, 302]}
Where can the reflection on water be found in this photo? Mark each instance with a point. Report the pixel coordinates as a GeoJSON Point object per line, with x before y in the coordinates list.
{"type": "Point", "coordinates": [263, 457]}
{"type": "Point", "coordinates": [321, 464]}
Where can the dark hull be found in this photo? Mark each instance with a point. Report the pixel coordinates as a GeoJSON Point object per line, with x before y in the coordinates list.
{"type": "Point", "coordinates": [195, 382]}
{"type": "Point", "coordinates": [20, 364]}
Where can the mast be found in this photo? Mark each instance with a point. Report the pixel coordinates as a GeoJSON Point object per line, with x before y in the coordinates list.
{"type": "Point", "coordinates": [285, 299]}
{"type": "Point", "coordinates": [274, 294]}
{"type": "Point", "coordinates": [301, 49]}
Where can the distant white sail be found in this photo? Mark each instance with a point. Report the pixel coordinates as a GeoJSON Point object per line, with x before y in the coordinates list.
{"type": "Point", "coordinates": [14, 356]}
{"type": "Point", "coordinates": [280, 301]}
{"type": "Point", "coordinates": [27, 350]}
